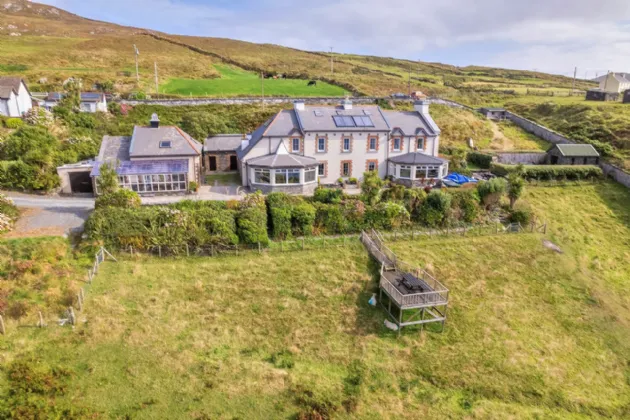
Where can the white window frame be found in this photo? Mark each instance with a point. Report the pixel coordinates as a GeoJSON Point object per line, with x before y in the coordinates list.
{"type": "Point", "coordinates": [397, 149]}
{"type": "Point", "coordinates": [423, 169]}
{"type": "Point", "coordinates": [373, 149]}
{"type": "Point", "coordinates": [321, 145]}
{"type": "Point", "coordinates": [153, 182]}
{"type": "Point", "coordinates": [312, 171]}
{"type": "Point", "coordinates": [344, 144]}
{"type": "Point", "coordinates": [418, 140]}
{"type": "Point", "coordinates": [262, 171]}
{"type": "Point", "coordinates": [293, 148]}
{"type": "Point", "coordinates": [436, 170]}
{"type": "Point", "coordinates": [405, 167]}
{"type": "Point", "coordinates": [286, 173]}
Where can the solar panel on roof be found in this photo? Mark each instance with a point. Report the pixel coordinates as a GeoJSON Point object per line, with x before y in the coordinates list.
{"type": "Point", "coordinates": [344, 121]}
{"type": "Point", "coordinates": [361, 121]}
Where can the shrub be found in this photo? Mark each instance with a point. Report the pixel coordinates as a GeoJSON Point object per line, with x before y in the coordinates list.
{"type": "Point", "coordinates": [515, 187]}
{"type": "Point", "coordinates": [17, 175]}
{"type": "Point", "coordinates": [193, 186]}
{"type": "Point", "coordinates": [371, 187]}
{"type": "Point", "coordinates": [413, 199]}
{"type": "Point", "coordinates": [14, 123]}
{"type": "Point", "coordinates": [436, 208]}
{"type": "Point", "coordinates": [481, 160]}
{"type": "Point", "coordinates": [353, 181]}
{"type": "Point", "coordinates": [522, 214]}
{"type": "Point", "coordinates": [387, 216]}
{"type": "Point", "coordinates": [490, 191]}
{"type": "Point", "coordinates": [550, 172]}
{"type": "Point", "coordinates": [327, 195]}
{"type": "Point", "coordinates": [465, 204]}
{"type": "Point", "coordinates": [120, 198]}
{"type": "Point", "coordinates": [303, 217]}
{"type": "Point", "coordinates": [329, 219]}
{"type": "Point", "coordinates": [251, 220]}
{"type": "Point", "coordinates": [107, 181]}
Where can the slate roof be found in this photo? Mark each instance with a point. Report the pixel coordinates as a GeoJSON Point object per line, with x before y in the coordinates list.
{"type": "Point", "coordinates": [8, 85]}
{"type": "Point", "coordinates": [114, 148]}
{"type": "Point", "coordinates": [417, 158]}
{"type": "Point", "coordinates": [223, 143]}
{"type": "Point", "coordinates": [146, 167]}
{"type": "Point", "coordinates": [85, 97]}
{"type": "Point", "coordinates": [577, 150]}
{"type": "Point", "coordinates": [283, 159]}
{"type": "Point", "coordinates": [255, 138]}
{"type": "Point", "coordinates": [145, 142]}
{"type": "Point", "coordinates": [284, 124]}
{"type": "Point", "coordinates": [316, 119]}
{"type": "Point", "coordinates": [411, 123]}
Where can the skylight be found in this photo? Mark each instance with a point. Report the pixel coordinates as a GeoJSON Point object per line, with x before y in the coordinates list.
{"type": "Point", "coordinates": [166, 144]}
{"type": "Point", "coordinates": [319, 113]}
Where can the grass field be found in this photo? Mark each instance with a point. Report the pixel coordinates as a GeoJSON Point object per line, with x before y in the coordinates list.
{"type": "Point", "coordinates": [531, 333]}
{"type": "Point", "coordinates": [235, 82]}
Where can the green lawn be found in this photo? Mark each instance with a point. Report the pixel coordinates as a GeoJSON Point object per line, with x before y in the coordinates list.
{"type": "Point", "coordinates": [236, 82]}
{"type": "Point", "coordinates": [531, 333]}
{"type": "Point", "coordinates": [223, 179]}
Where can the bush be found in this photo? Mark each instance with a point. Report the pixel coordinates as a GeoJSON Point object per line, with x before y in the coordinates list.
{"type": "Point", "coordinates": [120, 198]}
{"type": "Point", "coordinates": [436, 208]}
{"type": "Point", "coordinates": [465, 205]}
{"type": "Point", "coordinates": [8, 213]}
{"type": "Point", "coordinates": [251, 220]}
{"type": "Point", "coordinates": [193, 186]}
{"type": "Point", "coordinates": [550, 172]}
{"type": "Point", "coordinates": [387, 216]}
{"type": "Point", "coordinates": [14, 123]}
{"type": "Point", "coordinates": [302, 219]}
{"type": "Point", "coordinates": [327, 195]}
{"type": "Point", "coordinates": [481, 160]}
{"type": "Point", "coordinates": [522, 213]}
{"type": "Point", "coordinates": [17, 175]}
{"type": "Point", "coordinates": [490, 192]}
{"type": "Point", "coordinates": [371, 187]}
{"type": "Point", "coordinates": [329, 219]}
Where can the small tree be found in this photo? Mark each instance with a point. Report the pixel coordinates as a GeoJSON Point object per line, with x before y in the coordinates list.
{"type": "Point", "coordinates": [491, 191]}
{"type": "Point", "coordinates": [515, 188]}
{"type": "Point", "coordinates": [371, 187]}
{"type": "Point", "coordinates": [107, 181]}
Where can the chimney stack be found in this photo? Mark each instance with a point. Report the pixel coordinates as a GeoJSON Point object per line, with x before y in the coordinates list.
{"type": "Point", "coordinates": [155, 121]}
{"type": "Point", "coordinates": [347, 104]}
{"type": "Point", "coordinates": [299, 105]}
{"type": "Point", "coordinates": [422, 107]}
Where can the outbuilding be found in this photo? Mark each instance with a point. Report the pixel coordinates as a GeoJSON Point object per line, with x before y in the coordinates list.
{"type": "Point", "coordinates": [219, 153]}
{"type": "Point", "coordinates": [494, 113]}
{"type": "Point", "coordinates": [573, 154]}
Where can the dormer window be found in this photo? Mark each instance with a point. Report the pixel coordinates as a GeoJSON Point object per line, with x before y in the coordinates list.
{"type": "Point", "coordinates": [166, 144]}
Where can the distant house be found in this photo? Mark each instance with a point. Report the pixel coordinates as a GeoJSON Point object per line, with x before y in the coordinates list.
{"type": "Point", "coordinates": [626, 97]}
{"type": "Point", "coordinates": [15, 98]}
{"type": "Point", "coordinates": [90, 101]}
{"type": "Point", "coordinates": [600, 95]}
{"type": "Point", "coordinates": [573, 154]}
{"type": "Point", "coordinates": [494, 113]}
{"type": "Point", "coordinates": [614, 82]}
{"type": "Point", "coordinates": [219, 153]}
{"type": "Point", "coordinates": [153, 160]}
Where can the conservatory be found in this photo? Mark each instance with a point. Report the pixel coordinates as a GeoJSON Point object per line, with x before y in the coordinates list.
{"type": "Point", "coordinates": [283, 172]}
{"type": "Point", "coordinates": [417, 168]}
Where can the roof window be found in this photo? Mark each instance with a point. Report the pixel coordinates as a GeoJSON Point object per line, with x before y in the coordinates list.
{"type": "Point", "coordinates": [166, 144]}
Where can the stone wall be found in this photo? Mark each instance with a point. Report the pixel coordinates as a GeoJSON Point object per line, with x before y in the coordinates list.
{"type": "Point", "coordinates": [246, 101]}
{"type": "Point", "coordinates": [533, 158]}
{"type": "Point", "coordinates": [223, 162]}
{"type": "Point", "coordinates": [538, 130]}
{"type": "Point", "coordinates": [307, 189]}
{"type": "Point", "coordinates": [616, 173]}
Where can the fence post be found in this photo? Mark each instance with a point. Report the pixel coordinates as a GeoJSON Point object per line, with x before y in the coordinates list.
{"type": "Point", "coordinates": [79, 303]}
{"type": "Point", "coordinates": [82, 294]}
{"type": "Point", "coordinates": [160, 250]}
{"type": "Point", "coordinates": [259, 248]}
{"type": "Point", "coordinates": [187, 251]}
{"type": "Point", "coordinates": [212, 250]}
{"type": "Point", "coordinates": [2, 330]}
{"type": "Point", "coordinates": [41, 320]}
{"type": "Point", "coordinates": [73, 318]}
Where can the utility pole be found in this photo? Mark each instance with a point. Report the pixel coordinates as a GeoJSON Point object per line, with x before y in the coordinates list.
{"type": "Point", "coordinates": [574, 77]}
{"type": "Point", "coordinates": [137, 71]}
{"type": "Point", "coordinates": [262, 85]}
{"type": "Point", "coordinates": [409, 81]}
{"type": "Point", "coordinates": [157, 86]}
{"type": "Point", "coordinates": [332, 62]}
{"type": "Point", "coordinates": [606, 81]}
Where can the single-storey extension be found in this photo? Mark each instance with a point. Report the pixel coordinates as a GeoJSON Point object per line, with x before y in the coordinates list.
{"type": "Point", "coordinates": [496, 114]}
{"type": "Point", "coordinates": [219, 153]}
{"type": "Point", "coordinates": [573, 154]}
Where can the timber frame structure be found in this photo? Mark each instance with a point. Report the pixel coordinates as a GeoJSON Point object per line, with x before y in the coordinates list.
{"type": "Point", "coordinates": [406, 306]}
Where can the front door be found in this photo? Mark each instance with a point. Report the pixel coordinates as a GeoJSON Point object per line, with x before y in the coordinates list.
{"type": "Point", "coordinates": [233, 163]}
{"type": "Point", "coordinates": [81, 182]}
{"type": "Point", "coordinates": [213, 163]}
{"type": "Point", "coordinates": [554, 160]}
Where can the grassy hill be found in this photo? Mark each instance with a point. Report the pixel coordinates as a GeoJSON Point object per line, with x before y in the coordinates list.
{"type": "Point", "coordinates": [531, 333]}
{"type": "Point", "coordinates": [41, 41]}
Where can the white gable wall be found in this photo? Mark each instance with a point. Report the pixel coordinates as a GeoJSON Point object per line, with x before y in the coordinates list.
{"type": "Point", "coordinates": [24, 100]}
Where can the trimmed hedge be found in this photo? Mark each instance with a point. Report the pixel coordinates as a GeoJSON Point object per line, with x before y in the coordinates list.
{"type": "Point", "coordinates": [482, 160]}
{"type": "Point", "coordinates": [550, 172]}
{"type": "Point", "coordinates": [119, 198]}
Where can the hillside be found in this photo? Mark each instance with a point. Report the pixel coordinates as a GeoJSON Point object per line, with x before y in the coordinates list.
{"type": "Point", "coordinates": [49, 45]}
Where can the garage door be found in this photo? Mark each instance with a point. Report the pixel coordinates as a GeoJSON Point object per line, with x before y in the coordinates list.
{"type": "Point", "coordinates": [81, 182]}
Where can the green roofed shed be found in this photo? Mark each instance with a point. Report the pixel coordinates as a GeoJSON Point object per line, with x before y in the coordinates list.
{"type": "Point", "coordinates": [573, 154]}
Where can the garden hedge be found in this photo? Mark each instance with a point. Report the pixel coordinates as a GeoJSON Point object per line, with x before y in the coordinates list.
{"type": "Point", "coordinates": [550, 172]}
{"type": "Point", "coordinates": [479, 159]}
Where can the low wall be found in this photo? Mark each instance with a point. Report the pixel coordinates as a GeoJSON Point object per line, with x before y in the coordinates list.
{"type": "Point", "coordinates": [616, 173]}
{"type": "Point", "coordinates": [538, 130]}
{"type": "Point", "coordinates": [529, 158]}
{"type": "Point", "coordinates": [246, 101]}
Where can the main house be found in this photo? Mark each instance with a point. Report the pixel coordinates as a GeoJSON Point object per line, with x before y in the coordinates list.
{"type": "Point", "coordinates": [15, 98]}
{"type": "Point", "coordinates": [299, 148]}
{"type": "Point", "coordinates": [153, 160]}
{"type": "Point", "coordinates": [89, 101]}
{"type": "Point", "coordinates": [614, 82]}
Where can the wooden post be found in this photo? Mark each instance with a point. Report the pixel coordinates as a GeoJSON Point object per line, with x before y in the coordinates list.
{"type": "Point", "coordinates": [160, 250]}
{"type": "Point", "coordinates": [259, 248]}
{"type": "Point", "coordinates": [79, 302]}
{"type": "Point", "coordinates": [73, 318]}
{"type": "Point", "coordinates": [212, 250]}
{"type": "Point", "coordinates": [82, 294]}
{"type": "Point", "coordinates": [187, 251]}
{"type": "Point", "coordinates": [2, 330]}
{"type": "Point", "coordinates": [41, 320]}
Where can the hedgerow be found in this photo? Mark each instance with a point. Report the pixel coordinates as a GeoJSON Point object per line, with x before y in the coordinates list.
{"type": "Point", "coordinates": [550, 172]}
{"type": "Point", "coordinates": [479, 159]}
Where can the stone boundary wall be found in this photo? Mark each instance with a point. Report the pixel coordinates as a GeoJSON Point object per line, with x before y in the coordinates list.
{"type": "Point", "coordinates": [364, 100]}
{"type": "Point", "coordinates": [514, 158]}
{"type": "Point", "coordinates": [538, 130]}
{"type": "Point", "coordinates": [616, 173]}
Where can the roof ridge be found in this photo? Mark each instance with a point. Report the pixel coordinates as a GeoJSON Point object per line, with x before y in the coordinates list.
{"type": "Point", "coordinates": [185, 136]}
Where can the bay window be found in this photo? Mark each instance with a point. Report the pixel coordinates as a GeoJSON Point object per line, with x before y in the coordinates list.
{"type": "Point", "coordinates": [310, 175]}
{"type": "Point", "coordinates": [262, 176]}
{"type": "Point", "coordinates": [405, 172]}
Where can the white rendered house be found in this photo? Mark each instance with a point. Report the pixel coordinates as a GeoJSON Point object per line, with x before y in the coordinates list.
{"type": "Point", "coordinates": [15, 98]}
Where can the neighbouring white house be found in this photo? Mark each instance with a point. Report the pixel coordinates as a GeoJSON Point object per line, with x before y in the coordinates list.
{"type": "Point", "coordinates": [153, 160]}
{"type": "Point", "coordinates": [614, 82]}
{"type": "Point", "coordinates": [15, 98]}
{"type": "Point", "coordinates": [90, 101]}
{"type": "Point", "coordinates": [300, 148]}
